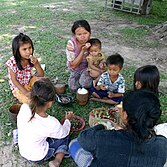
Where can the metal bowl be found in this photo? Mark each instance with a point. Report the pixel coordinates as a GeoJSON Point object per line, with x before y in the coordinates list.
{"type": "Point", "coordinates": [64, 99]}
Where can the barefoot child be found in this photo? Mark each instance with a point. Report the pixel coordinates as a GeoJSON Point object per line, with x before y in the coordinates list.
{"type": "Point", "coordinates": [20, 66]}
{"type": "Point", "coordinates": [41, 136]}
{"type": "Point", "coordinates": [96, 60]}
{"type": "Point", "coordinates": [111, 85]}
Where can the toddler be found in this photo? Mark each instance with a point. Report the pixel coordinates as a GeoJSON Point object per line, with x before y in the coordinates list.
{"type": "Point", "coordinates": [20, 66]}
{"type": "Point", "coordinates": [111, 85]}
{"type": "Point", "coordinates": [41, 136]}
{"type": "Point", "coordinates": [96, 60]}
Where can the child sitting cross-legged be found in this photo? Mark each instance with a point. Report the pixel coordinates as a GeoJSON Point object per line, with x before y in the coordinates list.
{"type": "Point", "coordinates": [111, 85]}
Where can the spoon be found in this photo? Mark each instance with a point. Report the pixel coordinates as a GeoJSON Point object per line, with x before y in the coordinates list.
{"type": "Point", "coordinates": [58, 98]}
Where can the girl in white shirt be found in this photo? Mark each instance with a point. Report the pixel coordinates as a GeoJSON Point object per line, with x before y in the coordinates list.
{"type": "Point", "coordinates": [41, 136]}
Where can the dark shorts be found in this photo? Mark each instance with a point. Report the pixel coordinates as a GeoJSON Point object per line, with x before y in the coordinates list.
{"type": "Point", "coordinates": [56, 146]}
{"type": "Point", "coordinates": [103, 93]}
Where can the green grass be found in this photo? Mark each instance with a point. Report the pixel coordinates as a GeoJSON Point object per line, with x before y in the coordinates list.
{"type": "Point", "coordinates": [48, 23]}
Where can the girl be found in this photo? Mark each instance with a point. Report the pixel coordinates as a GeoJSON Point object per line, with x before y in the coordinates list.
{"type": "Point", "coordinates": [76, 51]}
{"type": "Point", "coordinates": [147, 77]}
{"type": "Point", "coordinates": [20, 66]}
{"type": "Point", "coordinates": [41, 136]}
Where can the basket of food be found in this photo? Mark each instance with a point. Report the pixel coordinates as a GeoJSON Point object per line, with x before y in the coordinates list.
{"type": "Point", "coordinates": [108, 117]}
{"type": "Point", "coordinates": [77, 123]}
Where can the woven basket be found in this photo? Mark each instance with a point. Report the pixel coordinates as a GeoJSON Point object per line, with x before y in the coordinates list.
{"type": "Point", "coordinates": [105, 116]}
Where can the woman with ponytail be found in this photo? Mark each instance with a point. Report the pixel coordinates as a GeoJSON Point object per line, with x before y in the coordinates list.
{"type": "Point", "coordinates": [136, 145]}
{"type": "Point", "coordinates": [41, 136]}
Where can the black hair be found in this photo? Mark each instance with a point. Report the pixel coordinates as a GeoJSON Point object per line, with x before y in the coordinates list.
{"type": "Point", "coordinates": [143, 111]}
{"type": "Point", "coordinates": [95, 42]}
{"type": "Point", "coordinates": [115, 59]}
{"type": "Point", "coordinates": [16, 43]}
{"type": "Point", "coordinates": [149, 78]}
{"type": "Point", "coordinates": [80, 23]}
{"type": "Point", "coordinates": [43, 91]}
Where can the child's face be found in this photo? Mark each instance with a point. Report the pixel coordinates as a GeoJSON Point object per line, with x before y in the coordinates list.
{"type": "Point", "coordinates": [113, 70]}
{"type": "Point", "coordinates": [138, 85]}
{"type": "Point", "coordinates": [82, 35]}
{"type": "Point", "coordinates": [25, 50]}
{"type": "Point", "coordinates": [94, 50]}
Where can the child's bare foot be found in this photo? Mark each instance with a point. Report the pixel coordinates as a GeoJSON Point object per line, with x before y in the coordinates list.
{"type": "Point", "coordinates": [54, 163]}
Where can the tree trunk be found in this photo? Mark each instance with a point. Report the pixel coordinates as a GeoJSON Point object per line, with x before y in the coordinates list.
{"type": "Point", "coordinates": [145, 8]}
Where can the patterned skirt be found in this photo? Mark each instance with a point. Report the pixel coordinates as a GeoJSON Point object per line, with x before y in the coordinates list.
{"type": "Point", "coordinates": [81, 157]}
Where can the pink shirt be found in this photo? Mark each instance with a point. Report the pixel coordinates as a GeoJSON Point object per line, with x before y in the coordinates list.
{"type": "Point", "coordinates": [23, 77]}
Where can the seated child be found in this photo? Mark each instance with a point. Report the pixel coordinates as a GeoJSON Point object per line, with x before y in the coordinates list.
{"type": "Point", "coordinates": [96, 60]}
{"type": "Point", "coordinates": [20, 66]}
{"type": "Point", "coordinates": [147, 77]}
{"type": "Point", "coordinates": [41, 136]}
{"type": "Point", "coordinates": [111, 85]}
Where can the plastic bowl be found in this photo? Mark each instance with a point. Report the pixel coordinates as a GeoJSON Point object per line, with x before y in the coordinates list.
{"type": "Point", "coordinates": [64, 99]}
{"type": "Point", "coordinates": [13, 112]}
{"type": "Point", "coordinates": [77, 123]}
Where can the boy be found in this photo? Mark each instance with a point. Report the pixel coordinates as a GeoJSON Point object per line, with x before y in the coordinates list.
{"type": "Point", "coordinates": [111, 85]}
{"type": "Point", "coordinates": [96, 60]}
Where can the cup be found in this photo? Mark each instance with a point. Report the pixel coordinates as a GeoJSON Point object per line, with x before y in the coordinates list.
{"type": "Point", "coordinates": [60, 88]}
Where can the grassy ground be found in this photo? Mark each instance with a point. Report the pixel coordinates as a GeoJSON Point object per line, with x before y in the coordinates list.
{"type": "Point", "coordinates": [48, 23]}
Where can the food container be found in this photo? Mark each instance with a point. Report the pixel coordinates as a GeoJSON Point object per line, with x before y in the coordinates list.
{"type": "Point", "coordinates": [82, 96]}
{"type": "Point", "coordinates": [77, 123]}
{"type": "Point", "coordinates": [13, 112]}
{"type": "Point", "coordinates": [108, 117]}
{"type": "Point", "coordinates": [60, 88]}
{"type": "Point", "coordinates": [64, 99]}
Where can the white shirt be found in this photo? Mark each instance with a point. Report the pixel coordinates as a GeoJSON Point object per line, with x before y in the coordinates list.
{"type": "Point", "coordinates": [32, 134]}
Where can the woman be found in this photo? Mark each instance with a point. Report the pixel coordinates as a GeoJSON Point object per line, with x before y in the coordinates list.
{"type": "Point", "coordinates": [76, 51]}
{"type": "Point", "coordinates": [136, 145]}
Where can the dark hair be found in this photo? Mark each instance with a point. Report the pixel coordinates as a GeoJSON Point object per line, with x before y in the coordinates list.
{"type": "Point", "coordinates": [42, 92]}
{"type": "Point", "coordinates": [16, 43]}
{"type": "Point", "coordinates": [81, 23]}
{"type": "Point", "coordinates": [143, 111]}
{"type": "Point", "coordinates": [95, 42]}
{"type": "Point", "coordinates": [115, 59]}
{"type": "Point", "coordinates": [149, 77]}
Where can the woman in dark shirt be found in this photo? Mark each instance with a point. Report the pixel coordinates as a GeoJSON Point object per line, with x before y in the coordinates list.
{"type": "Point", "coordinates": [135, 146]}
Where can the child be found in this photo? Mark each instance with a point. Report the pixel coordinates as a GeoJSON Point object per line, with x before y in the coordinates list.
{"type": "Point", "coordinates": [147, 77]}
{"type": "Point", "coordinates": [96, 60]}
{"type": "Point", "coordinates": [41, 136]}
{"type": "Point", "coordinates": [20, 66]}
{"type": "Point", "coordinates": [76, 51]}
{"type": "Point", "coordinates": [111, 85]}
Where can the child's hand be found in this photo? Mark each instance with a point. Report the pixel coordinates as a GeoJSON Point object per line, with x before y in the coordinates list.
{"type": "Point", "coordinates": [33, 59]}
{"type": "Point", "coordinates": [103, 87]}
{"type": "Point", "coordinates": [69, 115]}
{"type": "Point", "coordinates": [110, 94]}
